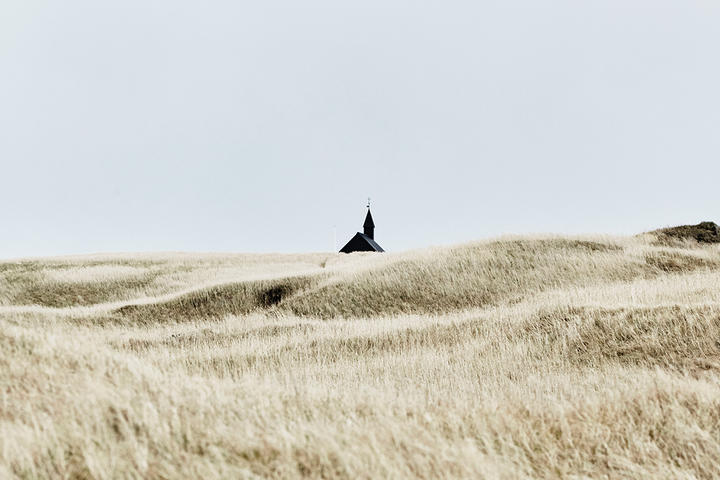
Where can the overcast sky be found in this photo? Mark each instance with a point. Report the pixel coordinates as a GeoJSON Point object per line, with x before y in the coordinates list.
{"type": "Point", "coordinates": [156, 125]}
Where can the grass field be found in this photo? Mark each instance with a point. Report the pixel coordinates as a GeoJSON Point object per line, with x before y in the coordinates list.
{"type": "Point", "coordinates": [528, 357]}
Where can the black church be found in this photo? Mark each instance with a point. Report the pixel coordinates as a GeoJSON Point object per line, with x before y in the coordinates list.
{"type": "Point", "coordinates": [364, 242]}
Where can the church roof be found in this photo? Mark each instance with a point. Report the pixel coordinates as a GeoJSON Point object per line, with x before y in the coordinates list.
{"type": "Point", "coordinates": [364, 242]}
{"type": "Point", "coordinates": [361, 243]}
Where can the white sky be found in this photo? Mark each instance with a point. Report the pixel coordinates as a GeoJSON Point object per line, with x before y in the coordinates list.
{"type": "Point", "coordinates": [143, 125]}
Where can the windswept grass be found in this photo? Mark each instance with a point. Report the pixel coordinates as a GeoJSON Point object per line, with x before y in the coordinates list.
{"type": "Point", "coordinates": [467, 277]}
{"type": "Point", "coordinates": [516, 358]}
{"type": "Point", "coordinates": [217, 301]}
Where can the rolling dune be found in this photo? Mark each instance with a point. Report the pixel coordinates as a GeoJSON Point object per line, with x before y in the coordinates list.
{"type": "Point", "coordinates": [519, 357]}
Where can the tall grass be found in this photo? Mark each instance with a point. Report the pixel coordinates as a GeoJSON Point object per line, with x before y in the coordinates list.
{"type": "Point", "coordinates": [515, 358]}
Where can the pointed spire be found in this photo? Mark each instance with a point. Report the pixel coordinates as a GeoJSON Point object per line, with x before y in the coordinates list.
{"type": "Point", "coordinates": [369, 220]}
{"type": "Point", "coordinates": [369, 225]}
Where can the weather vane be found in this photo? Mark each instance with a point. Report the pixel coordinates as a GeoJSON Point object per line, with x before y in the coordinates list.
{"type": "Point", "coordinates": [368, 202]}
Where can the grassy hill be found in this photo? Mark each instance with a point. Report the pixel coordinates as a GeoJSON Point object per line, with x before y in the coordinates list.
{"type": "Point", "coordinates": [512, 358]}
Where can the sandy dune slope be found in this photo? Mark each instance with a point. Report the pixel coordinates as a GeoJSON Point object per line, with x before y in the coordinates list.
{"type": "Point", "coordinates": [528, 357]}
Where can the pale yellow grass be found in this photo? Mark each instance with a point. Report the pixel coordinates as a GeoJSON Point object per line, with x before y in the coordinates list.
{"type": "Point", "coordinates": [518, 358]}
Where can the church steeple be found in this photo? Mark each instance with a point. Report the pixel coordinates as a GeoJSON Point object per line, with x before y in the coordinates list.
{"type": "Point", "coordinates": [364, 242]}
{"type": "Point", "coordinates": [369, 225]}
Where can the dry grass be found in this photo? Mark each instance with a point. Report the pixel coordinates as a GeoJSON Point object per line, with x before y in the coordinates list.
{"type": "Point", "coordinates": [703, 232]}
{"type": "Point", "coordinates": [515, 358]}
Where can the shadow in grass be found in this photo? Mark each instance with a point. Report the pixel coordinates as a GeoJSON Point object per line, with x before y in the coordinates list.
{"type": "Point", "coordinates": [675, 262]}
{"type": "Point", "coordinates": [215, 302]}
{"type": "Point", "coordinates": [30, 285]}
{"type": "Point", "coordinates": [682, 339]}
{"type": "Point", "coordinates": [675, 337]}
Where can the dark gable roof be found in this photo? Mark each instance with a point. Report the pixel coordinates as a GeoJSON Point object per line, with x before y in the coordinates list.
{"type": "Point", "coordinates": [361, 243]}
{"type": "Point", "coordinates": [372, 242]}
